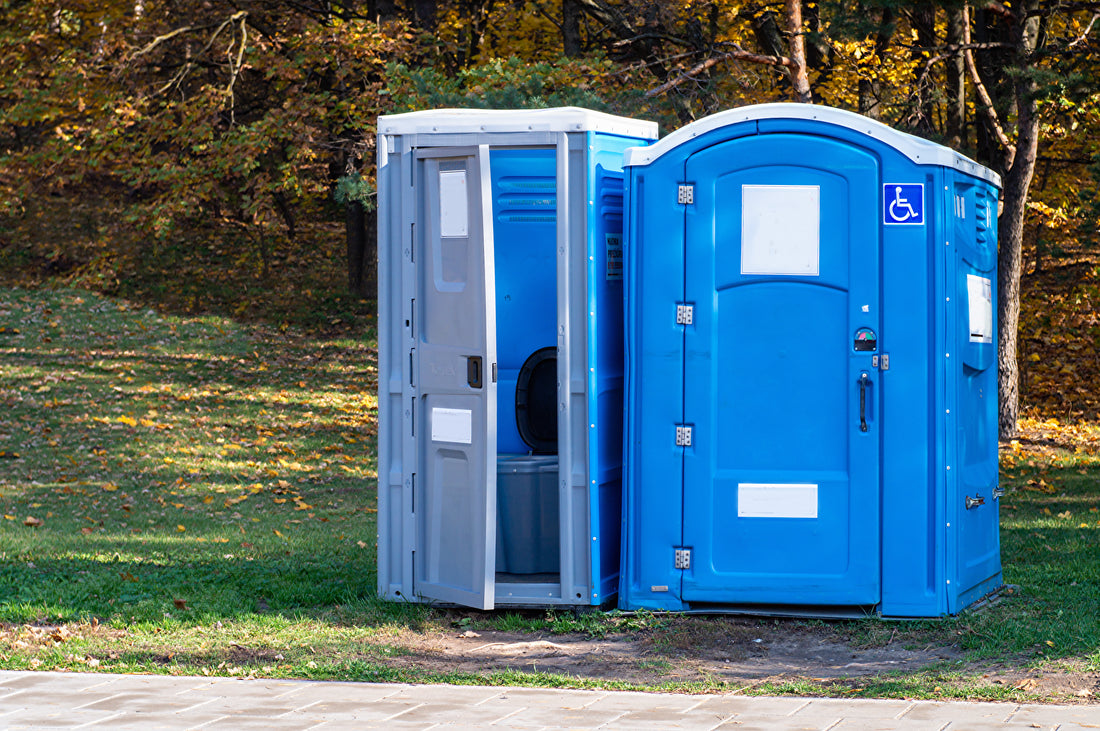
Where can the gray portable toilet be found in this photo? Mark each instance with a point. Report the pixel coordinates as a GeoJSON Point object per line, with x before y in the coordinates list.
{"type": "Point", "coordinates": [500, 339]}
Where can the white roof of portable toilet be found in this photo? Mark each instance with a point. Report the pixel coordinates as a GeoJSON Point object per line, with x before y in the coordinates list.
{"type": "Point", "coordinates": [917, 149]}
{"type": "Point", "coordinates": [557, 119]}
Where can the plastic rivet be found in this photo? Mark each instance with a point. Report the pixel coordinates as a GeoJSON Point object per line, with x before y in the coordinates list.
{"type": "Point", "coordinates": [949, 411]}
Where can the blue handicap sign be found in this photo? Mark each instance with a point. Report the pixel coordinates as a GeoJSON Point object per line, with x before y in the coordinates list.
{"type": "Point", "coordinates": [903, 204]}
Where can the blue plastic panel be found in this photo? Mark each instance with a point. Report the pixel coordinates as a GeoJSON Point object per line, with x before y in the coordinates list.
{"type": "Point", "coordinates": [972, 227]}
{"type": "Point", "coordinates": [605, 351]}
{"type": "Point", "coordinates": [524, 221]}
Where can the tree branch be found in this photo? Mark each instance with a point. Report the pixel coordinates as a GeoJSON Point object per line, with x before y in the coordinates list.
{"type": "Point", "coordinates": [948, 52]}
{"type": "Point", "coordinates": [1085, 33]}
{"type": "Point", "coordinates": [738, 53]}
{"type": "Point", "coordinates": [983, 95]}
{"type": "Point", "coordinates": [240, 15]}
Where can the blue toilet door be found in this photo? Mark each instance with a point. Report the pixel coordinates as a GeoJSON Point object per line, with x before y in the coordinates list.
{"type": "Point", "coordinates": [781, 480]}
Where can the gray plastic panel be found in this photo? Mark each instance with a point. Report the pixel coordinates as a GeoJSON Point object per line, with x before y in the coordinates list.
{"type": "Point", "coordinates": [456, 401]}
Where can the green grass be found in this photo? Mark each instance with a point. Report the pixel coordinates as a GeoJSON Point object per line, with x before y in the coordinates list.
{"type": "Point", "coordinates": [191, 495]}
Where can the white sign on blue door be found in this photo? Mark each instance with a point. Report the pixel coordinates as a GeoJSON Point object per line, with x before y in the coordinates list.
{"type": "Point", "coordinates": [903, 204]}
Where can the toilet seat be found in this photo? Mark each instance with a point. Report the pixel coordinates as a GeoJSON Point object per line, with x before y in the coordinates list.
{"type": "Point", "coordinates": [537, 401]}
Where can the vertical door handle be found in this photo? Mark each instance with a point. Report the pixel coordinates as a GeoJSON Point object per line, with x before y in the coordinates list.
{"type": "Point", "coordinates": [475, 374]}
{"type": "Point", "coordinates": [863, 382]}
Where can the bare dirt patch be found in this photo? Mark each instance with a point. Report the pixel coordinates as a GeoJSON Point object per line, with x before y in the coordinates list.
{"type": "Point", "coordinates": [692, 650]}
{"type": "Point", "coordinates": [738, 653]}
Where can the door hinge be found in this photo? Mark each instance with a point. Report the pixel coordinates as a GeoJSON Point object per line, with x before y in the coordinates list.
{"type": "Point", "coordinates": [973, 502]}
{"type": "Point", "coordinates": [683, 435]}
{"type": "Point", "coordinates": [685, 194]}
{"type": "Point", "coordinates": [683, 558]}
{"type": "Point", "coordinates": [685, 314]}
{"type": "Point", "coordinates": [882, 362]}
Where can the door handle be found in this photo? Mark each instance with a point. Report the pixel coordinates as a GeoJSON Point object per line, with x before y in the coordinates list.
{"type": "Point", "coordinates": [475, 374]}
{"type": "Point", "coordinates": [863, 383]}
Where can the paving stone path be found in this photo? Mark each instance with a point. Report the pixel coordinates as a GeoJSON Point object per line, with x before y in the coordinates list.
{"type": "Point", "coordinates": [41, 701]}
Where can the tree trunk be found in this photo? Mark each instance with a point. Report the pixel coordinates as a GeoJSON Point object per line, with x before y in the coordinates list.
{"type": "Point", "coordinates": [955, 70]}
{"type": "Point", "coordinates": [1010, 228]}
{"type": "Point", "coordinates": [870, 97]}
{"type": "Point", "coordinates": [800, 81]}
{"type": "Point", "coordinates": [355, 226]}
{"type": "Point", "coordinates": [425, 13]}
{"type": "Point", "coordinates": [923, 19]}
{"type": "Point", "coordinates": [571, 28]}
{"type": "Point", "coordinates": [383, 10]}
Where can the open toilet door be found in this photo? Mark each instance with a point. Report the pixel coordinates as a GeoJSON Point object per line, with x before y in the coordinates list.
{"type": "Point", "coordinates": [454, 375]}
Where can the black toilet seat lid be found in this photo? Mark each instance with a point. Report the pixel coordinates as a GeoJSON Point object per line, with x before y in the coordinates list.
{"type": "Point", "coordinates": [537, 401]}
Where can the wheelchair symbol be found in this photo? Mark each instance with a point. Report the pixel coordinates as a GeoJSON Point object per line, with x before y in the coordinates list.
{"type": "Point", "coordinates": [904, 203]}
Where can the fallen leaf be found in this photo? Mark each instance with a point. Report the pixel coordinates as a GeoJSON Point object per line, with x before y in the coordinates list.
{"type": "Point", "coordinates": [32, 521]}
{"type": "Point", "coordinates": [180, 603]}
{"type": "Point", "coordinates": [180, 529]}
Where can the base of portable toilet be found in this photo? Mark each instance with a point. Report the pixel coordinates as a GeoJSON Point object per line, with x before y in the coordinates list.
{"type": "Point", "coordinates": [500, 247]}
{"type": "Point", "coordinates": [528, 522]}
{"type": "Point", "coordinates": [811, 397]}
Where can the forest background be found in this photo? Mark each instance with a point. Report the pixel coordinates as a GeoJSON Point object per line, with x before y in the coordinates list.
{"type": "Point", "coordinates": [218, 156]}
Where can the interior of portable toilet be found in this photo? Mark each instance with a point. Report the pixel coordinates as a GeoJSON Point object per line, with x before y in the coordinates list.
{"type": "Point", "coordinates": [500, 355]}
{"type": "Point", "coordinates": [811, 411]}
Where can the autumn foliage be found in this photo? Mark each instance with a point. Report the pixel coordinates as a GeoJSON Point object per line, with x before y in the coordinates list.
{"type": "Point", "coordinates": [219, 155]}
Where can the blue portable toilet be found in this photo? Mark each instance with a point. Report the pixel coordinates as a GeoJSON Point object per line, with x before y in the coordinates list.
{"type": "Point", "coordinates": [811, 384]}
{"type": "Point", "coordinates": [500, 320]}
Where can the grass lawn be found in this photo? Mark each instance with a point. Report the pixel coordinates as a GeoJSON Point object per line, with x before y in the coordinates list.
{"type": "Point", "coordinates": [193, 496]}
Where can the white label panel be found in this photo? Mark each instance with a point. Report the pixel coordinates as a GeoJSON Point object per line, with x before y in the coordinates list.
{"type": "Point", "coordinates": [453, 425]}
{"type": "Point", "coordinates": [761, 500]}
{"type": "Point", "coordinates": [781, 229]}
{"type": "Point", "coordinates": [453, 204]}
{"type": "Point", "coordinates": [979, 292]}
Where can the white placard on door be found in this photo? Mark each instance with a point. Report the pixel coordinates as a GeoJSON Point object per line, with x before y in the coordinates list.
{"type": "Point", "coordinates": [776, 500]}
{"type": "Point", "coordinates": [979, 292]}
{"type": "Point", "coordinates": [454, 206]}
{"type": "Point", "coordinates": [781, 229]}
{"type": "Point", "coordinates": [453, 425]}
